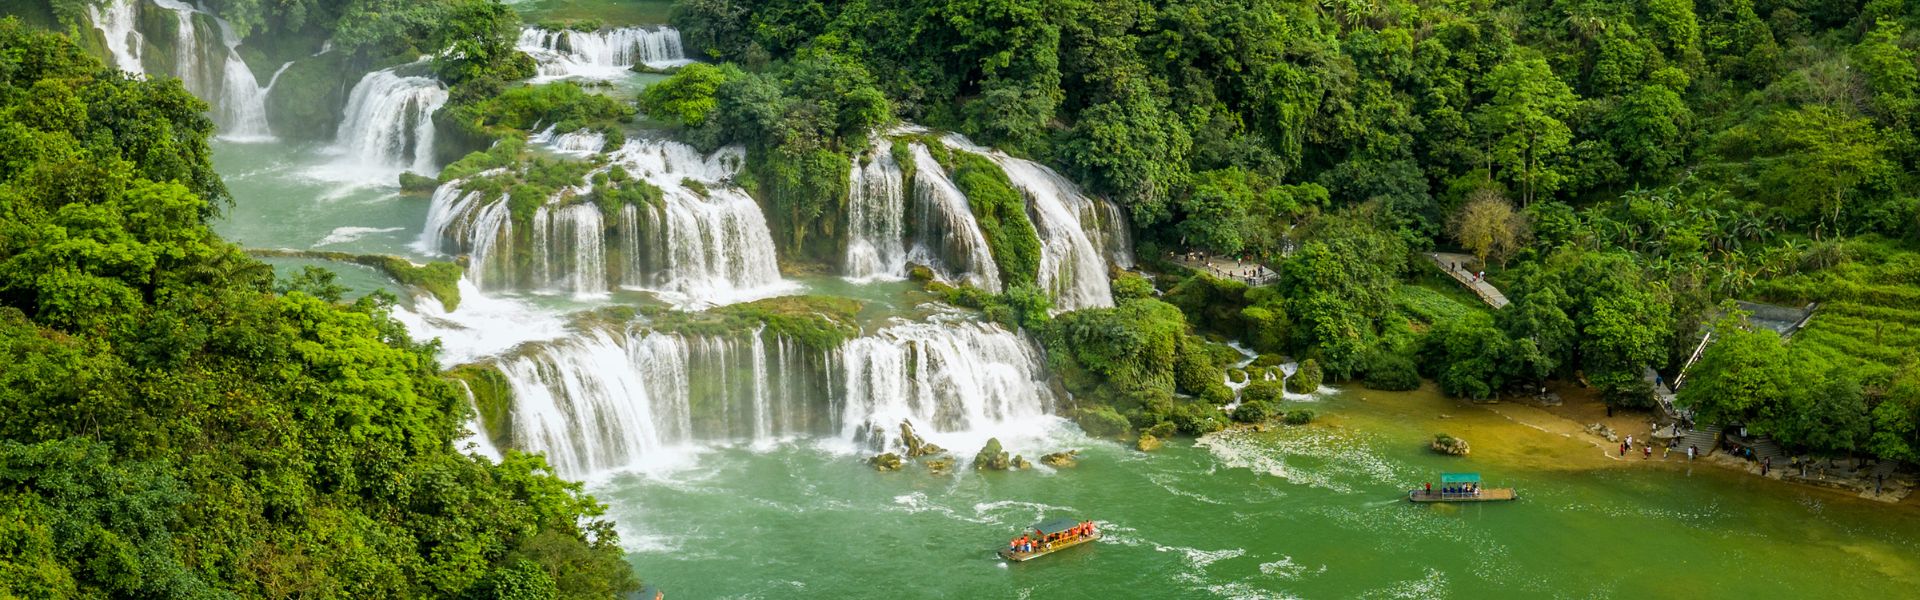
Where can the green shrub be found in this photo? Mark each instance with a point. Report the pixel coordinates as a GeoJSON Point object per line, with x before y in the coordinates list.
{"type": "Point", "coordinates": [1392, 371]}
{"type": "Point", "coordinates": [1252, 412]}
{"type": "Point", "coordinates": [1002, 214]}
{"type": "Point", "coordinates": [1299, 416]}
{"type": "Point", "coordinates": [1262, 391]}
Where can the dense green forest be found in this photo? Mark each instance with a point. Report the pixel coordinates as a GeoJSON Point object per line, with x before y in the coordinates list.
{"type": "Point", "coordinates": [182, 425]}
{"type": "Point", "coordinates": [1621, 167]}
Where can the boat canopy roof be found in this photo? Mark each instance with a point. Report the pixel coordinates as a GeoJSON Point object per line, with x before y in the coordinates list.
{"type": "Point", "coordinates": [1459, 478]}
{"type": "Point", "coordinates": [1052, 526]}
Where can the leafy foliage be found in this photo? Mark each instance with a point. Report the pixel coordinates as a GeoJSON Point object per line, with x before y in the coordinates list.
{"type": "Point", "coordinates": [194, 433]}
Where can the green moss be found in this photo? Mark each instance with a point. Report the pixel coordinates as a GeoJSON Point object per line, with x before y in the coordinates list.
{"type": "Point", "coordinates": [503, 154]}
{"type": "Point", "coordinates": [615, 193]}
{"type": "Point", "coordinates": [310, 96]}
{"type": "Point", "coordinates": [492, 397]}
{"type": "Point", "coordinates": [414, 183]}
{"type": "Point", "coordinates": [565, 106]}
{"type": "Point", "coordinates": [693, 185]}
{"type": "Point", "coordinates": [1002, 214]}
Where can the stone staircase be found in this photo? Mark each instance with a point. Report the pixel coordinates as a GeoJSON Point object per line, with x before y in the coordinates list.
{"type": "Point", "coordinates": [1706, 438]}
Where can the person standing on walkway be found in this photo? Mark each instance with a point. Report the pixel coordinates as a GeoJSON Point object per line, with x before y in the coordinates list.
{"type": "Point", "coordinates": [1646, 451]}
{"type": "Point", "coordinates": [1766, 465]}
{"type": "Point", "coordinates": [1692, 452]}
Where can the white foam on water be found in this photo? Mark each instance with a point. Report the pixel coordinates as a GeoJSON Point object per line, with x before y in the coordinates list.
{"type": "Point", "coordinates": [342, 235]}
{"type": "Point", "coordinates": [482, 325]}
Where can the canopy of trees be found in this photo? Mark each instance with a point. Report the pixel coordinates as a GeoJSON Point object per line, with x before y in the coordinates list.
{"type": "Point", "coordinates": [181, 426]}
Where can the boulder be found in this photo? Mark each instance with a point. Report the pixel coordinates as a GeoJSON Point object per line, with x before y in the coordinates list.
{"type": "Point", "coordinates": [886, 461]}
{"type": "Point", "coordinates": [939, 465]}
{"type": "Point", "coordinates": [992, 457]}
{"type": "Point", "coordinates": [1020, 462]}
{"type": "Point", "coordinates": [1449, 445]}
{"type": "Point", "coordinates": [915, 446]}
{"type": "Point", "coordinates": [1147, 443]}
{"type": "Point", "coordinates": [1062, 460]}
{"type": "Point", "coordinates": [1600, 429]}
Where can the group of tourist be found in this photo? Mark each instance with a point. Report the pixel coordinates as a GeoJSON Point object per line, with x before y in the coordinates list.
{"type": "Point", "coordinates": [1040, 539]}
{"type": "Point", "coordinates": [1464, 489]}
{"type": "Point", "coordinates": [1253, 275]}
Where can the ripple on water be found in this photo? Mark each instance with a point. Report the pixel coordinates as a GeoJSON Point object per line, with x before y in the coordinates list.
{"type": "Point", "coordinates": [1343, 453]}
{"type": "Point", "coordinates": [1431, 585]}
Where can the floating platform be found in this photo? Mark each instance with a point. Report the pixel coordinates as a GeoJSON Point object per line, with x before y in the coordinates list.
{"type": "Point", "coordinates": [1484, 495]}
{"type": "Point", "coordinates": [1046, 549]}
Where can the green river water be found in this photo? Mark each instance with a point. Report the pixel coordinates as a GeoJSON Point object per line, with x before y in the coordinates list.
{"type": "Point", "coordinates": [1313, 511]}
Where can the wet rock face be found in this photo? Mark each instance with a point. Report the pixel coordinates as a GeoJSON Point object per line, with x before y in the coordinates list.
{"type": "Point", "coordinates": [1062, 460]}
{"type": "Point", "coordinates": [1449, 445]}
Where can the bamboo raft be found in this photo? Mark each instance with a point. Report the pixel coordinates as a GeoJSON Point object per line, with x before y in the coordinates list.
{"type": "Point", "coordinates": [1460, 487]}
{"type": "Point", "coordinates": [1484, 495]}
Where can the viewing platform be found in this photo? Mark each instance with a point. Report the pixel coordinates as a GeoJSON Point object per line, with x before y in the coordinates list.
{"type": "Point", "coordinates": [1458, 266]}
{"type": "Point", "coordinates": [1247, 272]}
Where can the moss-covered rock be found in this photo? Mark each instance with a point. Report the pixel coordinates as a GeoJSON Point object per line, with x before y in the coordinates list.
{"type": "Point", "coordinates": [1299, 416]}
{"type": "Point", "coordinates": [992, 457]}
{"type": "Point", "coordinates": [1252, 412]}
{"type": "Point", "coordinates": [915, 446]}
{"type": "Point", "coordinates": [413, 183]}
{"type": "Point", "coordinates": [1147, 443]}
{"type": "Point", "coordinates": [1306, 379]}
{"type": "Point", "coordinates": [1002, 214]}
{"type": "Point", "coordinates": [1062, 460]}
{"type": "Point", "coordinates": [886, 461]}
{"type": "Point", "coordinates": [1449, 445]}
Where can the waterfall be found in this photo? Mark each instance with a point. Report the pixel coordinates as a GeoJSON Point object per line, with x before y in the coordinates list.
{"type": "Point", "coordinates": [583, 142]}
{"type": "Point", "coordinates": [388, 126]}
{"type": "Point", "coordinates": [947, 376]}
{"type": "Point", "coordinates": [609, 400]}
{"type": "Point", "coordinates": [243, 102]}
{"type": "Point", "coordinates": [1073, 267]}
{"type": "Point", "coordinates": [612, 399]}
{"type": "Point", "coordinates": [569, 253]}
{"type": "Point", "coordinates": [946, 236]}
{"type": "Point", "coordinates": [705, 242]}
{"type": "Point", "coordinates": [876, 219]}
{"type": "Point", "coordinates": [117, 21]}
{"type": "Point", "coordinates": [605, 54]}
{"type": "Point", "coordinates": [239, 103]}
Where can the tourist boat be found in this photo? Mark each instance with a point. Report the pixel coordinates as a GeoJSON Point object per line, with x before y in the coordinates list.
{"type": "Point", "coordinates": [1461, 487]}
{"type": "Point", "coordinates": [1054, 535]}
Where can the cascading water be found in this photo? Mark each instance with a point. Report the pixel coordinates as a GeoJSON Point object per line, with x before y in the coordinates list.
{"type": "Point", "coordinates": [946, 376]}
{"type": "Point", "coordinates": [186, 50]}
{"type": "Point", "coordinates": [876, 219]}
{"type": "Point", "coordinates": [946, 236]}
{"type": "Point", "coordinates": [117, 21]}
{"type": "Point", "coordinates": [583, 142]}
{"type": "Point", "coordinates": [605, 54]}
{"type": "Point", "coordinates": [243, 102]}
{"type": "Point", "coordinates": [709, 242]}
{"type": "Point", "coordinates": [388, 127]}
{"type": "Point", "coordinates": [1072, 266]}
{"type": "Point", "coordinates": [611, 400]}
{"type": "Point", "coordinates": [606, 401]}
{"type": "Point", "coordinates": [704, 242]}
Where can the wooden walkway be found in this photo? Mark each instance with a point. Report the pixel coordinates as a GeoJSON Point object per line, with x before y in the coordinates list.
{"type": "Point", "coordinates": [1456, 265]}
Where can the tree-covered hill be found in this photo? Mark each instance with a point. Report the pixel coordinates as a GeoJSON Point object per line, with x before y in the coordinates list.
{"type": "Point", "coordinates": [176, 424]}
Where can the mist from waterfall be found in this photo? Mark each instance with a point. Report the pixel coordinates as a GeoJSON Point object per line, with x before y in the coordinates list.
{"type": "Point", "coordinates": [612, 400]}
{"type": "Point", "coordinates": [603, 54]}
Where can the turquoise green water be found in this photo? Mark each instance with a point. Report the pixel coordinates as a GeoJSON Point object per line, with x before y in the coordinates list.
{"type": "Point", "coordinates": [1314, 511]}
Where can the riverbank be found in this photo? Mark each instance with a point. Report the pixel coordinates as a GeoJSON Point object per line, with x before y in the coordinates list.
{"type": "Point", "coordinates": [1580, 409]}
